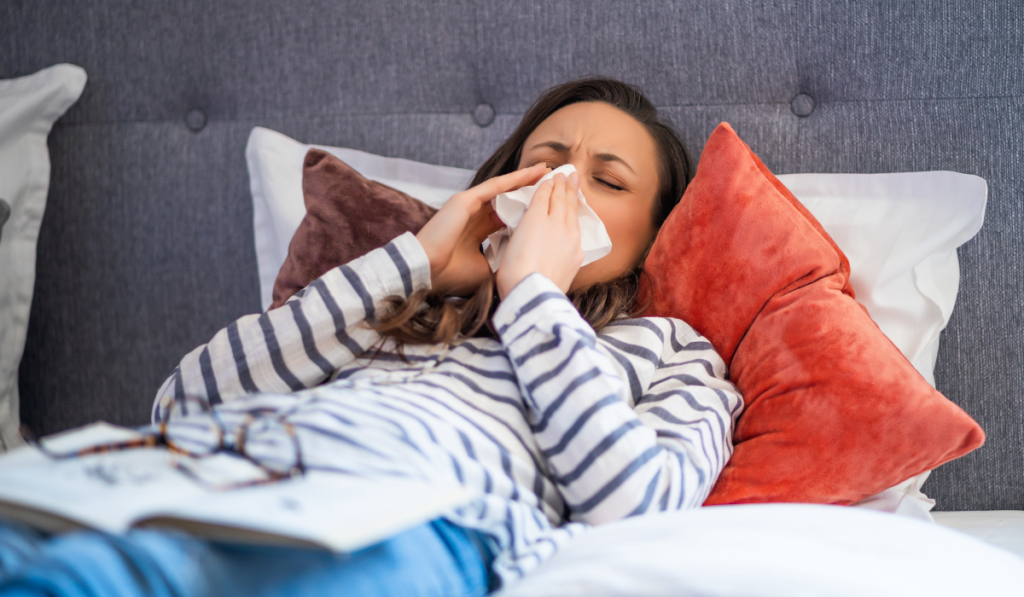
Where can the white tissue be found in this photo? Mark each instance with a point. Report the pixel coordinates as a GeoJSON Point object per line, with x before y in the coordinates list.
{"type": "Point", "coordinates": [511, 206]}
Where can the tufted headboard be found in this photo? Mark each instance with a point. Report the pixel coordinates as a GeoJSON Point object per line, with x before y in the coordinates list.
{"type": "Point", "coordinates": [146, 247]}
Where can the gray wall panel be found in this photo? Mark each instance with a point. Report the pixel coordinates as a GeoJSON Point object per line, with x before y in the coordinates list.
{"type": "Point", "coordinates": [239, 59]}
{"type": "Point", "coordinates": [147, 251]}
{"type": "Point", "coordinates": [911, 50]}
{"type": "Point", "coordinates": [262, 59]}
{"type": "Point", "coordinates": [769, 129]}
{"type": "Point", "coordinates": [136, 54]}
{"type": "Point", "coordinates": [668, 48]}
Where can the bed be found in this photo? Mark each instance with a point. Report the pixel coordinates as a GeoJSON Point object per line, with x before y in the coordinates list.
{"type": "Point", "coordinates": [148, 244]}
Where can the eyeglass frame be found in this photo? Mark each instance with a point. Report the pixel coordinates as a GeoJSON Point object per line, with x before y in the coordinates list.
{"type": "Point", "coordinates": [160, 438]}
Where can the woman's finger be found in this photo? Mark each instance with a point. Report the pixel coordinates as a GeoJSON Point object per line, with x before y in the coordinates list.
{"type": "Point", "coordinates": [557, 206]}
{"type": "Point", "coordinates": [541, 202]}
{"type": "Point", "coordinates": [484, 223]}
{"type": "Point", "coordinates": [572, 197]}
{"type": "Point", "coordinates": [492, 187]}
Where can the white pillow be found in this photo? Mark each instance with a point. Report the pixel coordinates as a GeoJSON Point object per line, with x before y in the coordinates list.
{"type": "Point", "coordinates": [28, 108]}
{"type": "Point", "coordinates": [773, 550]}
{"type": "Point", "coordinates": [899, 231]}
{"type": "Point", "coordinates": [275, 179]}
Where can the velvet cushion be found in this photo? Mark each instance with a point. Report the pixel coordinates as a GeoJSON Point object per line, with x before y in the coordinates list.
{"type": "Point", "coordinates": [346, 217]}
{"type": "Point", "coordinates": [834, 412]}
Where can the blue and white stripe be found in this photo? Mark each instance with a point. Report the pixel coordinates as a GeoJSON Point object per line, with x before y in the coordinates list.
{"type": "Point", "coordinates": [553, 426]}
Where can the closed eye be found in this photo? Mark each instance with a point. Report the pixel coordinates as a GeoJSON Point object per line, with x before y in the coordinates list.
{"type": "Point", "coordinates": [608, 184]}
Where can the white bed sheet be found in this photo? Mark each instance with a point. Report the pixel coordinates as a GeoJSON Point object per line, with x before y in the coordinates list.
{"type": "Point", "coordinates": [768, 550]}
{"type": "Point", "coordinates": [1001, 528]}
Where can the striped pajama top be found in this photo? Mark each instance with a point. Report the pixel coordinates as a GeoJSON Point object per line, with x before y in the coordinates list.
{"type": "Point", "coordinates": [553, 426]}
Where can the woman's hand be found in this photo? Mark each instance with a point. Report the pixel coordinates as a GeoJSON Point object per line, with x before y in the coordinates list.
{"type": "Point", "coordinates": [547, 239]}
{"type": "Point", "coordinates": [452, 237]}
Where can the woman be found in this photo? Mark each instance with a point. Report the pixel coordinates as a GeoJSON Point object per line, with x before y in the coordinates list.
{"type": "Point", "coordinates": [400, 362]}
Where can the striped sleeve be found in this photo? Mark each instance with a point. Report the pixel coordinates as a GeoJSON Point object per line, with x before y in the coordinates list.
{"type": "Point", "coordinates": [692, 408]}
{"type": "Point", "coordinates": [608, 460]}
{"type": "Point", "coordinates": [303, 342]}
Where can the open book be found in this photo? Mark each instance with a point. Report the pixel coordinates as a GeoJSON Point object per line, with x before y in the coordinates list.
{"type": "Point", "coordinates": [140, 488]}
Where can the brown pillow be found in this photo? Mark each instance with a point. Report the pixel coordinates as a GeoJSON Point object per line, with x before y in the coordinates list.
{"type": "Point", "coordinates": [347, 216]}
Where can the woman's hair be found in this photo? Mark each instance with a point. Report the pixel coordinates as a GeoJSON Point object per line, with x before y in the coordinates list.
{"type": "Point", "coordinates": [427, 317]}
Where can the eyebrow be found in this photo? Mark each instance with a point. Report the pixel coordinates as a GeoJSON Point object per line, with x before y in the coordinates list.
{"type": "Point", "coordinates": [604, 157]}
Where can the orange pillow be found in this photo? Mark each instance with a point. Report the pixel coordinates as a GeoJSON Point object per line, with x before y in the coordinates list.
{"type": "Point", "coordinates": [834, 412]}
{"type": "Point", "coordinates": [346, 217]}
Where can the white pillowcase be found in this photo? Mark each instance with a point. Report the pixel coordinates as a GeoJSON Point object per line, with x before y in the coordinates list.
{"type": "Point", "coordinates": [773, 550]}
{"type": "Point", "coordinates": [275, 179]}
{"type": "Point", "coordinates": [899, 231]}
{"type": "Point", "coordinates": [28, 108]}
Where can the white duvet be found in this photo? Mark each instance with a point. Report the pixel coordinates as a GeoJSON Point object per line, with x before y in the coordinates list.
{"type": "Point", "coordinates": [780, 550]}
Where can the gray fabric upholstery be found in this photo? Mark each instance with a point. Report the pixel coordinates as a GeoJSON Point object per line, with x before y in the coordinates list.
{"type": "Point", "coordinates": [147, 248]}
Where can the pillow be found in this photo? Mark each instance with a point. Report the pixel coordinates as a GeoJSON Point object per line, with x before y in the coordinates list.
{"type": "Point", "coordinates": [772, 550]}
{"type": "Point", "coordinates": [834, 412]}
{"type": "Point", "coordinates": [346, 217]}
{"type": "Point", "coordinates": [275, 180]}
{"type": "Point", "coordinates": [29, 106]}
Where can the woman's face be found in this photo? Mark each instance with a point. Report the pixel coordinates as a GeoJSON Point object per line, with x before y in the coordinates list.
{"type": "Point", "coordinates": [617, 162]}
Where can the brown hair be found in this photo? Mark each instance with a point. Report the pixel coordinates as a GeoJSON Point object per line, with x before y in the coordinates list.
{"type": "Point", "coordinates": [427, 317]}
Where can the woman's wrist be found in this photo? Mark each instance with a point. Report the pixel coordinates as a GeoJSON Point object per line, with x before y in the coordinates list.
{"type": "Point", "coordinates": [507, 287]}
{"type": "Point", "coordinates": [507, 284]}
{"type": "Point", "coordinates": [526, 304]}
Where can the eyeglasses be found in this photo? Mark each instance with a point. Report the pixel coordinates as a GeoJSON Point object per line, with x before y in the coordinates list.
{"type": "Point", "coordinates": [191, 428]}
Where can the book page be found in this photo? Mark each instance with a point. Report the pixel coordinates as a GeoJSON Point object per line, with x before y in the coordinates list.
{"type": "Point", "coordinates": [341, 513]}
{"type": "Point", "coordinates": [102, 491]}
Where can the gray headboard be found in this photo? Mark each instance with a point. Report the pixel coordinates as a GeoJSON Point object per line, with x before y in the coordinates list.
{"type": "Point", "coordinates": [147, 249]}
